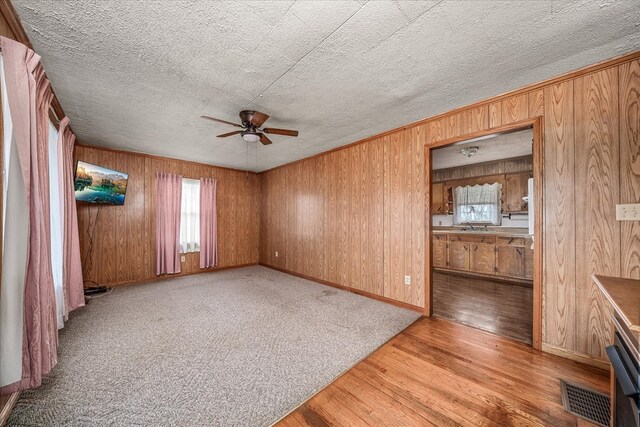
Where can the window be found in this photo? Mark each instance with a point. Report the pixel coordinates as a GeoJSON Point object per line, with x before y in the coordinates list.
{"type": "Point", "coordinates": [190, 216]}
{"type": "Point", "coordinates": [478, 204]}
{"type": "Point", "coordinates": [56, 216]}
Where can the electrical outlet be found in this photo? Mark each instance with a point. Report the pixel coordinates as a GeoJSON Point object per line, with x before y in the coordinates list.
{"type": "Point", "coordinates": [276, 254]}
{"type": "Point", "coordinates": [407, 280]}
{"type": "Point", "coordinates": [628, 212]}
{"type": "Point", "coordinates": [183, 258]}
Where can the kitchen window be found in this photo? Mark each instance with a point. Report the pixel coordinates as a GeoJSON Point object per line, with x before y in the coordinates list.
{"type": "Point", "coordinates": [477, 204]}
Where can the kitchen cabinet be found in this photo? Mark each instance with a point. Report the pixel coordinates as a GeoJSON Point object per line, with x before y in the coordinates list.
{"type": "Point", "coordinates": [516, 187]}
{"type": "Point", "coordinates": [459, 255]}
{"type": "Point", "coordinates": [486, 254]}
{"type": "Point", "coordinates": [438, 199]}
{"type": "Point", "coordinates": [510, 261]}
{"type": "Point", "coordinates": [440, 252]}
{"type": "Point", "coordinates": [483, 258]}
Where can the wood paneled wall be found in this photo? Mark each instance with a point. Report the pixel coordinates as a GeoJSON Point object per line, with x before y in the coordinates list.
{"type": "Point", "coordinates": [498, 167]}
{"type": "Point", "coordinates": [124, 236]}
{"type": "Point", "coordinates": [356, 216]}
{"type": "Point", "coordinates": [346, 217]}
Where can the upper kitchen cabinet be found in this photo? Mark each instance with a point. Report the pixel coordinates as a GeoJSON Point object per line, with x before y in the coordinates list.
{"type": "Point", "coordinates": [438, 199]}
{"type": "Point", "coordinates": [514, 192]}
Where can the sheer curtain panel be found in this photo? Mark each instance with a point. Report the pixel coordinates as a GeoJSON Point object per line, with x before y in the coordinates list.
{"type": "Point", "coordinates": [190, 216]}
{"type": "Point", "coordinates": [55, 217]}
{"type": "Point", "coordinates": [478, 204]}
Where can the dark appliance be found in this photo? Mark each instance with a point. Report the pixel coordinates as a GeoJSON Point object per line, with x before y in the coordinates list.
{"type": "Point", "coordinates": [624, 355]}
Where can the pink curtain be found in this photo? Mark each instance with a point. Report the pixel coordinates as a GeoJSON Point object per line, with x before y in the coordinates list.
{"type": "Point", "coordinates": [208, 223]}
{"type": "Point", "coordinates": [168, 194]}
{"type": "Point", "coordinates": [29, 95]}
{"type": "Point", "coordinates": [72, 268]}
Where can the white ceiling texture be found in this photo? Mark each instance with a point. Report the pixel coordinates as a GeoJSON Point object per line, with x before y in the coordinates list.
{"type": "Point", "coordinates": [490, 148]}
{"type": "Point", "coordinates": [137, 75]}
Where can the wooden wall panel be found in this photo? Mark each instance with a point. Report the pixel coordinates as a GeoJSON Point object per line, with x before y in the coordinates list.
{"type": "Point", "coordinates": [559, 217]}
{"type": "Point", "coordinates": [629, 77]}
{"type": "Point", "coordinates": [436, 131]}
{"type": "Point", "coordinates": [495, 114]}
{"type": "Point", "coordinates": [498, 167]}
{"type": "Point", "coordinates": [536, 103]}
{"type": "Point", "coordinates": [475, 119]}
{"type": "Point", "coordinates": [515, 109]}
{"type": "Point", "coordinates": [124, 236]}
{"type": "Point", "coordinates": [354, 203]}
{"type": "Point", "coordinates": [596, 193]}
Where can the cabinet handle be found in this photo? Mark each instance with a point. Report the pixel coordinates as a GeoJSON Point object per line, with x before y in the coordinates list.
{"type": "Point", "coordinates": [465, 248]}
{"type": "Point", "coordinates": [518, 250]}
{"type": "Point", "coordinates": [476, 248]}
{"type": "Point", "coordinates": [510, 241]}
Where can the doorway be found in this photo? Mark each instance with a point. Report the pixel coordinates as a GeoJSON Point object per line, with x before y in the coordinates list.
{"type": "Point", "coordinates": [484, 231]}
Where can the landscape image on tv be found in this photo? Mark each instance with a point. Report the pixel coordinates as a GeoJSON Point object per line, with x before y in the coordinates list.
{"type": "Point", "coordinates": [95, 184]}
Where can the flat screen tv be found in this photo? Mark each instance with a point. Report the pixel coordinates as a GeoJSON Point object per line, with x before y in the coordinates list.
{"type": "Point", "coordinates": [95, 184]}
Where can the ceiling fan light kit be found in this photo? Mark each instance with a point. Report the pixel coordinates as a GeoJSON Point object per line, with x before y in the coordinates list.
{"type": "Point", "coordinates": [250, 136]}
{"type": "Point", "coordinates": [251, 122]}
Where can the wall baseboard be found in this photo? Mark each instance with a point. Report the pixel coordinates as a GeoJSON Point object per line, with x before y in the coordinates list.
{"type": "Point", "coordinates": [348, 289]}
{"type": "Point", "coordinates": [7, 406]}
{"type": "Point", "coordinates": [578, 357]}
{"type": "Point", "coordinates": [175, 276]}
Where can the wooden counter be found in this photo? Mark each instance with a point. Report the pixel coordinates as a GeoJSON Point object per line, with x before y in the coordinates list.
{"type": "Point", "coordinates": [624, 295]}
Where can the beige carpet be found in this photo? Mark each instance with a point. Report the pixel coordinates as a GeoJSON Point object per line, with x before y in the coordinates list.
{"type": "Point", "coordinates": [239, 347]}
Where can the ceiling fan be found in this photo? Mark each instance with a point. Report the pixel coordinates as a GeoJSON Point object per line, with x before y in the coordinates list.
{"type": "Point", "coordinates": [251, 122]}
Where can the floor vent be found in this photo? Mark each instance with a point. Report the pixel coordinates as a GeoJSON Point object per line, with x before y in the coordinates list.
{"type": "Point", "coordinates": [586, 403]}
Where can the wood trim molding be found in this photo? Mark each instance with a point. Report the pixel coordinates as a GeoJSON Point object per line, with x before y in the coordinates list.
{"type": "Point", "coordinates": [613, 62]}
{"type": "Point", "coordinates": [578, 357]}
{"type": "Point", "coordinates": [153, 156]}
{"type": "Point", "coordinates": [345, 288]}
{"type": "Point", "coordinates": [5, 411]}
{"type": "Point", "coordinates": [13, 20]}
{"type": "Point", "coordinates": [535, 124]}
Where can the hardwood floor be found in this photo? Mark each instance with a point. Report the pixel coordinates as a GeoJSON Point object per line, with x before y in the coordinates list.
{"type": "Point", "coordinates": [502, 308]}
{"type": "Point", "coordinates": [438, 373]}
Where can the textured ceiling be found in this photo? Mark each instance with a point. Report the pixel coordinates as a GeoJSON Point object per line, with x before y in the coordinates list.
{"type": "Point", "coordinates": [497, 147]}
{"type": "Point", "coordinates": [137, 75]}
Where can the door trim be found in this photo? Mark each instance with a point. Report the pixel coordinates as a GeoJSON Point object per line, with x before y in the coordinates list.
{"type": "Point", "coordinates": [536, 125]}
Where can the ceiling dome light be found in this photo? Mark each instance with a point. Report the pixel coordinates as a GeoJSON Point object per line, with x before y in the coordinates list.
{"type": "Point", "coordinates": [469, 151]}
{"type": "Point", "coordinates": [251, 137]}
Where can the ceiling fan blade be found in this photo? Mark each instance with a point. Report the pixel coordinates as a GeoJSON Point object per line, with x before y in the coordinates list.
{"type": "Point", "coordinates": [221, 121]}
{"type": "Point", "coordinates": [286, 132]}
{"type": "Point", "coordinates": [264, 139]}
{"type": "Point", "coordinates": [258, 119]}
{"type": "Point", "coordinates": [224, 135]}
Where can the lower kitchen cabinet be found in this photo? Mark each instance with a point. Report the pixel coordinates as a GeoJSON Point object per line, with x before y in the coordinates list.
{"type": "Point", "coordinates": [439, 252]}
{"type": "Point", "coordinates": [459, 255]}
{"type": "Point", "coordinates": [486, 254]}
{"type": "Point", "coordinates": [510, 261]}
{"type": "Point", "coordinates": [483, 258]}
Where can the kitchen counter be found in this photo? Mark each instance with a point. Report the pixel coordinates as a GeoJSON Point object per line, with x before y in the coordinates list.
{"type": "Point", "coordinates": [504, 232]}
{"type": "Point", "coordinates": [624, 295]}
